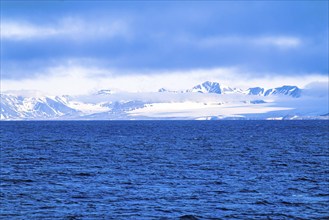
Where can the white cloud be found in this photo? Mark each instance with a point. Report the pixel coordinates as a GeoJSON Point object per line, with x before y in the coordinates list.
{"type": "Point", "coordinates": [71, 27]}
{"type": "Point", "coordinates": [75, 80]}
{"type": "Point", "coordinates": [282, 42]}
{"type": "Point", "coordinates": [13, 30]}
{"type": "Point", "coordinates": [214, 41]}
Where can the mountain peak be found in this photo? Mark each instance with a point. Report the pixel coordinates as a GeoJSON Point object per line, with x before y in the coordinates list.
{"type": "Point", "coordinates": [255, 91]}
{"type": "Point", "coordinates": [292, 91]}
{"type": "Point", "coordinates": [207, 87]}
{"type": "Point", "coordinates": [104, 92]}
{"type": "Point", "coordinates": [162, 90]}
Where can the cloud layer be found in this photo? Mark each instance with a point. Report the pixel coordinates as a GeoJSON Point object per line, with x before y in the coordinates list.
{"type": "Point", "coordinates": [148, 43]}
{"type": "Point", "coordinates": [68, 27]}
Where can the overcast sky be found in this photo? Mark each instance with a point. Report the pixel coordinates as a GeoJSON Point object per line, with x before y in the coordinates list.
{"type": "Point", "coordinates": [75, 47]}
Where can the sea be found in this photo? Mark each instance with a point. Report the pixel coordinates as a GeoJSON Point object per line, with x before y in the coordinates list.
{"type": "Point", "coordinates": [164, 170]}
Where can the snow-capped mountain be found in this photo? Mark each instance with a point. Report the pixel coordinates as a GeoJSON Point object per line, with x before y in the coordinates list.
{"type": "Point", "coordinates": [292, 91]}
{"type": "Point", "coordinates": [216, 88]}
{"type": "Point", "coordinates": [105, 92]}
{"type": "Point", "coordinates": [255, 91]}
{"type": "Point", "coordinates": [207, 87]}
{"type": "Point", "coordinates": [166, 90]}
{"type": "Point", "coordinates": [162, 90]}
{"type": "Point", "coordinates": [209, 100]}
{"type": "Point", "coordinates": [19, 107]}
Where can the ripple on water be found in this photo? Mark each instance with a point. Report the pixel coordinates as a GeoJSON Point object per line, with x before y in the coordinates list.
{"type": "Point", "coordinates": [164, 170]}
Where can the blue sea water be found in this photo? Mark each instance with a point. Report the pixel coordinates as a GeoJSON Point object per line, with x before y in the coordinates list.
{"type": "Point", "coordinates": [164, 170]}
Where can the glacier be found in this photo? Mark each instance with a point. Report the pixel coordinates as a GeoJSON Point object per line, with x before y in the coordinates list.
{"type": "Point", "coordinates": [205, 101]}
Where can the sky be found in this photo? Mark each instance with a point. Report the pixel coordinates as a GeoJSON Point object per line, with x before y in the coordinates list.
{"type": "Point", "coordinates": [71, 47]}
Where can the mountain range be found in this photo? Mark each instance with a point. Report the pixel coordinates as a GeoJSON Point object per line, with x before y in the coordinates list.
{"type": "Point", "coordinates": [215, 87]}
{"type": "Point", "coordinates": [208, 100]}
